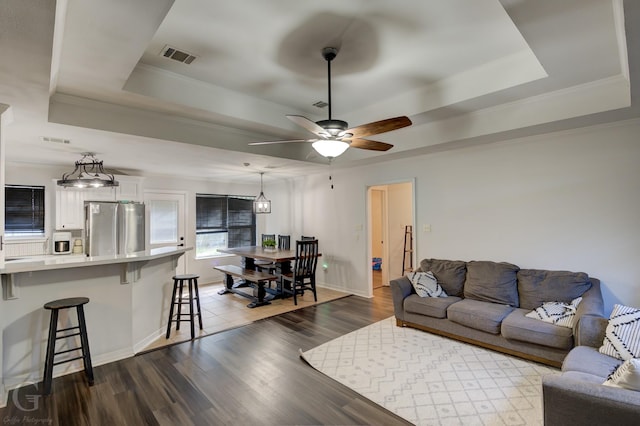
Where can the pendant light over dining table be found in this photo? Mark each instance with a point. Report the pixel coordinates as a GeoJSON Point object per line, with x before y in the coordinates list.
{"type": "Point", "coordinates": [88, 173]}
{"type": "Point", "coordinates": [261, 205]}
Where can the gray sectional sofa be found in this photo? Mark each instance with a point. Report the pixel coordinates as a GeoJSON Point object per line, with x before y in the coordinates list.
{"type": "Point", "coordinates": [577, 396]}
{"type": "Point", "coordinates": [487, 303]}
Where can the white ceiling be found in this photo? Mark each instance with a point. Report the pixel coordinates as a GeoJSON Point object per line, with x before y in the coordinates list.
{"type": "Point", "coordinates": [464, 71]}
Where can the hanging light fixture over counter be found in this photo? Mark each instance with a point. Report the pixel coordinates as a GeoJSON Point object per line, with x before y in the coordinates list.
{"type": "Point", "coordinates": [89, 173]}
{"type": "Point", "coordinates": [261, 204]}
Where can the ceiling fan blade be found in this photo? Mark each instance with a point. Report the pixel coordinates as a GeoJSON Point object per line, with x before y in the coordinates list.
{"type": "Point", "coordinates": [369, 144]}
{"type": "Point", "coordinates": [381, 126]}
{"type": "Point", "coordinates": [283, 141]}
{"type": "Point", "coordinates": [308, 124]}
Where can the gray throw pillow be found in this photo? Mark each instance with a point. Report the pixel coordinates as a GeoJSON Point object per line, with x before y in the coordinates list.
{"type": "Point", "coordinates": [536, 286]}
{"type": "Point", "coordinates": [492, 282]}
{"type": "Point", "coordinates": [449, 273]}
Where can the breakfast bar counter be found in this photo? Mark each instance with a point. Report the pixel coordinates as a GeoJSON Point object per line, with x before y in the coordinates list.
{"type": "Point", "coordinates": [44, 263]}
{"type": "Point", "coordinates": [128, 308]}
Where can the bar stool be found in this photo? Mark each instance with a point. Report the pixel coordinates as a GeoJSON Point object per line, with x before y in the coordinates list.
{"type": "Point", "coordinates": [194, 295]}
{"type": "Point", "coordinates": [55, 306]}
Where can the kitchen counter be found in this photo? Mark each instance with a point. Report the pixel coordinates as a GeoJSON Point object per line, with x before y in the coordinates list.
{"type": "Point", "coordinates": [130, 297]}
{"type": "Point", "coordinates": [44, 263]}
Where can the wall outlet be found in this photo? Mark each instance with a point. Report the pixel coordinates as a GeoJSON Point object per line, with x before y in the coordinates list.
{"type": "Point", "coordinates": [426, 228]}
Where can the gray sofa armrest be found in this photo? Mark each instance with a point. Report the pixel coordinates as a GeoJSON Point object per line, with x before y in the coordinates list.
{"type": "Point", "coordinates": [401, 288]}
{"type": "Point", "coordinates": [592, 304]}
{"type": "Point", "coordinates": [590, 331]}
{"type": "Point", "coordinates": [572, 402]}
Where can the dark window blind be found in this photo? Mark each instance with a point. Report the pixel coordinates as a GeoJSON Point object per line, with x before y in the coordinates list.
{"type": "Point", "coordinates": [211, 213]}
{"type": "Point", "coordinates": [226, 213]}
{"type": "Point", "coordinates": [241, 222]}
{"type": "Point", "coordinates": [24, 209]}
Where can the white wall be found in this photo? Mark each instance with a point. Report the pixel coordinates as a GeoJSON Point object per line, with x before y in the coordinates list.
{"type": "Point", "coordinates": [4, 118]}
{"type": "Point", "coordinates": [567, 201]}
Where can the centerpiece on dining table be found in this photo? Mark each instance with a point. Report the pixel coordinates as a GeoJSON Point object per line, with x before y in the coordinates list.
{"type": "Point", "coordinates": [269, 245]}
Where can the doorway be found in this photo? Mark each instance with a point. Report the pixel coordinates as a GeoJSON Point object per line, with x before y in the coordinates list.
{"type": "Point", "coordinates": [165, 221]}
{"type": "Point", "coordinates": [391, 209]}
{"type": "Point", "coordinates": [378, 237]}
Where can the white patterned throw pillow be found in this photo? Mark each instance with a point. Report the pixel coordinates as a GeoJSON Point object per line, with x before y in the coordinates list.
{"type": "Point", "coordinates": [558, 313]}
{"type": "Point", "coordinates": [426, 284]}
{"type": "Point", "coordinates": [626, 376]}
{"type": "Point", "coordinates": [622, 337]}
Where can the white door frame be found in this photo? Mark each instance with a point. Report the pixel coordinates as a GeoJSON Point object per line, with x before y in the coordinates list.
{"type": "Point", "coordinates": [384, 231]}
{"type": "Point", "coordinates": [387, 273]}
{"type": "Point", "coordinates": [182, 239]}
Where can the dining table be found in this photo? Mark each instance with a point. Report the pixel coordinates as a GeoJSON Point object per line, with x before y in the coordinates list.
{"type": "Point", "coordinates": [282, 259]}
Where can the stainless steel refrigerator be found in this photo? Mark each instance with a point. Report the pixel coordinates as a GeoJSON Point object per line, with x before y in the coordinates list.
{"type": "Point", "coordinates": [113, 228]}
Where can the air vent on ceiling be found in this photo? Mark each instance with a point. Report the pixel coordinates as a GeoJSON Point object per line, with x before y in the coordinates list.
{"type": "Point", "coordinates": [320, 104]}
{"type": "Point", "coordinates": [55, 140]}
{"type": "Point", "coordinates": [177, 55]}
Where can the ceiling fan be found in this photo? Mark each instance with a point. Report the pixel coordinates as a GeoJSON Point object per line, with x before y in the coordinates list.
{"type": "Point", "coordinates": [335, 136]}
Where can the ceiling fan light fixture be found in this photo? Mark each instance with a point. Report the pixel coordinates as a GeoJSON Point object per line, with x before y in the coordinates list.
{"type": "Point", "coordinates": [330, 148]}
{"type": "Point", "coordinates": [336, 135]}
{"type": "Point", "coordinates": [89, 172]}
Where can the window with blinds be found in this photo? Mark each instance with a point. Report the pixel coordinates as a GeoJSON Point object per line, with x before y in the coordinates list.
{"type": "Point", "coordinates": [24, 210]}
{"type": "Point", "coordinates": [223, 221]}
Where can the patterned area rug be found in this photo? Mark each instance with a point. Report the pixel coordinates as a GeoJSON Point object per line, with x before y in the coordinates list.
{"type": "Point", "coordinates": [431, 380]}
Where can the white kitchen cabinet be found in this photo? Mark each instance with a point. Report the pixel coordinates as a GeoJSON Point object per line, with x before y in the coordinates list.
{"type": "Point", "coordinates": [99, 194]}
{"type": "Point", "coordinates": [129, 189]}
{"type": "Point", "coordinates": [70, 204]}
{"type": "Point", "coordinates": [69, 208]}
{"type": "Point", "coordinates": [70, 201]}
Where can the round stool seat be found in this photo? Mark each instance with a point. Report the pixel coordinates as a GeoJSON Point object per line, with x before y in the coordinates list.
{"type": "Point", "coordinates": [70, 302]}
{"type": "Point", "coordinates": [186, 277]}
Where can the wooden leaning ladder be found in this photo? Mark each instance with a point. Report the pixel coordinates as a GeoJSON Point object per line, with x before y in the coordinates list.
{"type": "Point", "coordinates": [408, 248]}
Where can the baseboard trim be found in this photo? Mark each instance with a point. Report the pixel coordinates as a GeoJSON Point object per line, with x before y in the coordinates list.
{"type": "Point", "coordinates": [34, 377]}
{"type": "Point", "coordinates": [141, 345]}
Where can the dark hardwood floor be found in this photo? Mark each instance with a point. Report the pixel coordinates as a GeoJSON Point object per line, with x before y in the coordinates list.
{"type": "Point", "coordinates": [251, 375]}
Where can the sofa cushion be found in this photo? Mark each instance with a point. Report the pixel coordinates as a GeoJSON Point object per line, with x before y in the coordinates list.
{"type": "Point", "coordinates": [492, 282]}
{"type": "Point", "coordinates": [622, 336]}
{"type": "Point", "coordinates": [425, 284]}
{"type": "Point", "coordinates": [449, 273]}
{"type": "Point", "coordinates": [517, 326]}
{"type": "Point", "coordinates": [536, 286]}
{"type": "Point", "coordinates": [479, 315]}
{"type": "Point", "coordinates": [435, 307]}
{"type": "Point", "coordinates": [588, 360]}
{"type": "Point", "coordinates": [579, 376]}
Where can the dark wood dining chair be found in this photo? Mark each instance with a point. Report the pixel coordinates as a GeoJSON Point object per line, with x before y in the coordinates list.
{"type": "Point", "coordinates": [303, 275]}
{"type": "Point", "coordinates": [265, 265]}
{"type": "Point", "coordinates": [284, 242]}
{"type": "Point", "coordinates": [307, 238]}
